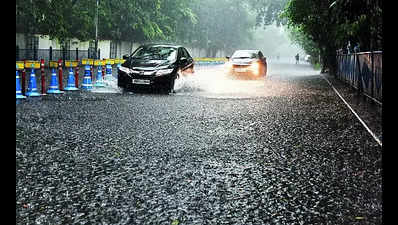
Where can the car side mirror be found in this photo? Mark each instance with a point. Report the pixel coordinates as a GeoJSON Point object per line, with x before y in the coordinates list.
{"type": "Point", "coordinates": [125, 56]}
{"type": "Point", "coordinates": [183, 60]}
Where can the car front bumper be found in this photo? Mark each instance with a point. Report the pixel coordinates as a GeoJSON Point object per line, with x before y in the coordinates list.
{"type": "Point", "coordinates": [133, 81]}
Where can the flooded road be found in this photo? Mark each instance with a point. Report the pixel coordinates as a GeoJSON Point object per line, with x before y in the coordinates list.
{"type": "Point", "coordinates": [214, 82]}
{"type": "Point", "coordinates": [283, 150]}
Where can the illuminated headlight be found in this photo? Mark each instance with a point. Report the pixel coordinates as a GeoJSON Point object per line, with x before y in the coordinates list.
{"type": "Point", "coordinates": [255, 66]}
{"type": "Point", "coordinates": [164, 72]}
{"type": "Point", "coordinates": [124, 69]}
{"type": "Point", "coordinates": [228, 65]}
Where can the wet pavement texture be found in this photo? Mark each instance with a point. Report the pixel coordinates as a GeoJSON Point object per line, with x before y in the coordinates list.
{"type": "Point", "coordinates": [284, 150]}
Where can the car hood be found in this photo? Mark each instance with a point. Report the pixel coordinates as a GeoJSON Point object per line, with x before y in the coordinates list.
{"type": "Point", "coordinates": [244, 61]}
{"type": "Point", "coordinates": [148, 64]}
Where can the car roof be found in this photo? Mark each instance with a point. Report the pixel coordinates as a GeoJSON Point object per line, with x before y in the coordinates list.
{"type": "Point", "coordinates": [250, 51]}
{"type": "Point", "coordinates": [163, 45]}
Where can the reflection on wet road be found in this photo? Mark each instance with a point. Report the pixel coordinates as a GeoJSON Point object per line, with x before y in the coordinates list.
{"type": "Point", "coordinates": [284, 150]}
{"type": "Point", "coordinates": [213, 82]}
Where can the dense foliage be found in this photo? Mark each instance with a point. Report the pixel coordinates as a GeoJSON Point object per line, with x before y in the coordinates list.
{"type": "Point", "coordinates": [130, 20]}
{"type": "Point", "coordinates": [326, 26]}
{"type": "Point", "coordinates": [208, 24]}
{"type": "Point", "coordinates": [222, 25]}
{"type": "Point", "coordinates": [320, 27]}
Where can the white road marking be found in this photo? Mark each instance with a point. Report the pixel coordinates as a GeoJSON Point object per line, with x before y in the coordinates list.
{"type": "Point", "coordinates": [352, 110]}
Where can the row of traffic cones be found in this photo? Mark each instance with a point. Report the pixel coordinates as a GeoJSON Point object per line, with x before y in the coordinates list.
{"type": "Point", "coordinates": [53, 88]}
{"type": "Point", "coordinates": [71, 85]}
{"type": "Point", "coordinates": [32, 89]}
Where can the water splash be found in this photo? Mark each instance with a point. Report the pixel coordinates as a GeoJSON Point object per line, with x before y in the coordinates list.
{"type": "Point", "coordinates": [110, 86]}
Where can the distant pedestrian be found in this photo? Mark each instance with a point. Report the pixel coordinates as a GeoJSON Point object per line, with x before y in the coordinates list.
{"type": "Point", "coordinates": [349, 48]}
{"type": "Point", "coordinates": [297, 58]}
{"type": "Point", "coordinates": [356, 48]}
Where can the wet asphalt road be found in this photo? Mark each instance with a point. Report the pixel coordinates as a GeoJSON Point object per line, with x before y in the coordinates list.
{"type": "Point", "coordinates": [281, 151]}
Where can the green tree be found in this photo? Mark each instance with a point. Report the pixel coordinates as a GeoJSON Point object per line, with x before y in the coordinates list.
{"type": "Point", "coordinates": [60, 19]}
{"type": "Point", "coordinates": [131, 20]}
{"type": "Point", "coordinates": [331, 24]}
{"type": "Point", "coordinates": [313, 18]}
{"type": "Point", "coordinates": [360, 21]}
{"type": "Point", "coordinates": [268, 11]}
{"type": "Point", "coordinates": [322, 27]}
{"type": "Point", "coordinates": [221, 25]}
{"type": "Point", "coordinates": [308, 45]}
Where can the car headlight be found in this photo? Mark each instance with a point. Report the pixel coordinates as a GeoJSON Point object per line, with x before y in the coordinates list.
{"type": "Point", "coordinates": [164, 72]}
{"type": "Point", "coordinates": [124, 69]}
{"type": "Point", "coordinates": [228, 65]}
{"type": "Point", "coordinates": [255, 66]}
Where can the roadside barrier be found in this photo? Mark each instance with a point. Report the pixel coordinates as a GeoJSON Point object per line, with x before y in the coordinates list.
{"type": "Point", "coordinates": [19, 66]}
{"type": "Point", "coordinates": [87, 78]}
{"type": "Point", "coordinates": [54, 85]}
{"type": "Point", "coordinates": [43, 78]}
{"type": "Point", "coordinates": [61, 87]}
{"type": "Point", "coordinates": [71, 81]}
{"type": "Point", "coordinates": [363, 71]}
{"type": "Point", "coordinates": [119, 62]}
{"type": "Point", "coordinates": [23, 79]}
{"type": "Point", "coordinates": [99, 82]}
{"type": "Point", "coordinates": [53, 88]}
{"type": "Point", "coordinates": [74, 65]}
{"type": "Point", "coordinates": [108, 63]}
{"type": "Point", "coordinates": [77, 74]}
{"type": "Point", "coordinates": [32, 86]}
{"type": "Point", "coordinates": [89, 63]}
{"type": "Point", "coordinates": [201, 63]}
{"type": "Point", "coordinates": [209, 61]}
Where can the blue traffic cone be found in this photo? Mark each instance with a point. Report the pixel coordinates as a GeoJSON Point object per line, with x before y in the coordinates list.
{"type": "Point", "coordinates": [53, 88]}
{"type": "Point", "coordinates": [99, 81]}
{"type": "Point", "coordinates": [87, 85]}
{"type": "Point", "coordinates": [71, 81]}
{"type": "Point", "coordinates": [108, 73]}
{"type": "Point", "coordinates": [18, 87]}
{"type": "Point", "coordinates": [32, 86]}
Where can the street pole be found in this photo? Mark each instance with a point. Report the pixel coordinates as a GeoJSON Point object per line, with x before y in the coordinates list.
{"type": "Point", "coordinates": [96, 32]}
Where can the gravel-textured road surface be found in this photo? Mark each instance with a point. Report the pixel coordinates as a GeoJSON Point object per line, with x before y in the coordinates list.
{"type": "Point", "coordinates": [218, 151]}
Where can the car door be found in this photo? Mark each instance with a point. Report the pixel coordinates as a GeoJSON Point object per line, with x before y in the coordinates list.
{"type": "Point", "coordinates": [264, 61]}
{"type": "Point", "coordinates": [189, 58]}
{"type": "Point", "coordinates": [186, 61]}
{"type": "Point", "coordinates": [262, 58]}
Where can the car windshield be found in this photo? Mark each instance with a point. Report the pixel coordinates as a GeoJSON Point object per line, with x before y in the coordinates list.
{"type": "Point", "coordinates": [244, 54]}
{"type": "Point", "coordinates": [156, 53]}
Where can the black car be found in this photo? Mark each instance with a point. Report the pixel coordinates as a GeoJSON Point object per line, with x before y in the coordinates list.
{"type": "Point", "coordinates": [247, 64]}
{"type": "Point", "coordinates": [155, 66]}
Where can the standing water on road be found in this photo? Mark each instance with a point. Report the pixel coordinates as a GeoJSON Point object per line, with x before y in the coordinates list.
{"type": "Point", "coordinates": [110, 86]}
{"type": "Point", "coordinates": [213, 82]}
{"type": "Point", "coordinates": [285, 151]}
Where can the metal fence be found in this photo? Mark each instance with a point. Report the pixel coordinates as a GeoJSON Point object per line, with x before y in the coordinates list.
{"type": "Point", "coordinates": [363, 71]}
{"type": "Point", "coordinates": [54, 54]}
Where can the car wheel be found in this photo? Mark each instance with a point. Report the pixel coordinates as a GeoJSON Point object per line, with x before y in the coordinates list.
{"type": "Point", "coordinates": [120, 83]}
{"type": "Point", "coordinates": [171, 86]}
{"type": "Point", "coordinates": [265, 70]}
{"type": "Point", "coordinates": [124, 90]}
